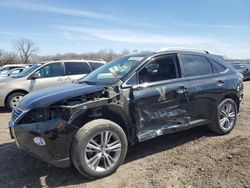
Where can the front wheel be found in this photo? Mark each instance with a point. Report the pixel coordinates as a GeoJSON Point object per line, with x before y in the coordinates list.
{"type": "Point", "coordinates": [226, 117]}
{"type": "Point", "coordinates": [14, 99]}
{"type": "Point", "coordinates": [99, 148]}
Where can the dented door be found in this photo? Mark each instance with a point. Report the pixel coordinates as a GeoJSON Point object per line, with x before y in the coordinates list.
{"type": "Point", "coordinates": [160, 108]}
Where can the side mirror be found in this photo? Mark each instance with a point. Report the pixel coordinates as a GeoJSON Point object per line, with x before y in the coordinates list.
{"type": "Point", "coordinates": [35, 76]}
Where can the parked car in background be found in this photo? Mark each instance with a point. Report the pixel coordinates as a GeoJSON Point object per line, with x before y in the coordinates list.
{"type": "Point", "coordinates": [130, 99]}
{"type": "Point", "coordinates": [6, 68]}
{"type": "Point", "coordinates": [42, 75]}
{"type": "Point", "coordinates": [12, 72]}
{"type": "Point", "coordinates": [243, 68]}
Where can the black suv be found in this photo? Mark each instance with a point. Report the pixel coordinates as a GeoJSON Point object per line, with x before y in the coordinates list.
{"type": "Point", "coordinates": [130, 99]}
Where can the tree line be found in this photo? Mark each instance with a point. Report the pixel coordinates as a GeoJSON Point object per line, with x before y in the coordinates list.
{"type": "Point", "coordinates": [26, 52]}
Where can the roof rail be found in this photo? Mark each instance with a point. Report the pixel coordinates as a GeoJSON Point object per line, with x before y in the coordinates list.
{"type": "Point", "coordinates": [93, 59]}
{"type": "Point", "coordinates": [184, 49]}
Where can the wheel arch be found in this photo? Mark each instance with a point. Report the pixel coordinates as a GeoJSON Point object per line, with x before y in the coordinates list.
{"type": "Point", "coordinates": [234, 97]}
{"type": "Point", "coordinates": [15, 91]}
{"type": "Point", "coordinates": [115, 115]}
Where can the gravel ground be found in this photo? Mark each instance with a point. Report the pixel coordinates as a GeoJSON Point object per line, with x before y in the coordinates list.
{"type": "Point", "coordinates": [194, 158]}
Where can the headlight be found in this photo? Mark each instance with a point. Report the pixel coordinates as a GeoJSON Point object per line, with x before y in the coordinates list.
{"type": "Point", "coordinates": [238, 88]}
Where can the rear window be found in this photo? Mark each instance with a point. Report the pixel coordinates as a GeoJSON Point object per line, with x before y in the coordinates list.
{"type": "Point", "coordinates": [73, 68]}
{"type": "Point", "coordinates": [196, 65]}
{"type": "Point", "coordinates": [95, 65]}
{"type": "Point", "coordinates": [218, 67]}
{"type": "Point", "coordinates": [10, 68]}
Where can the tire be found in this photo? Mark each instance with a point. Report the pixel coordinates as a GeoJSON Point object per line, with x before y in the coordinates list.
{"type": "Point", "coordinates": [81, 152]}
{"type": "Point", "coordinates": [230, 117]}
{"type": "Point", "coordinates": [11, 98]}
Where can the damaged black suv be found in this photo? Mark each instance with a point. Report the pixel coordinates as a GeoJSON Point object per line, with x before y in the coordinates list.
{"type": "Point", "coordinates": [130, 99]}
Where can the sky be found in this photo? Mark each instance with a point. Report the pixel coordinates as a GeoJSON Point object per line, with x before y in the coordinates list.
{"type": "Point", "coordinates": [60, 26]}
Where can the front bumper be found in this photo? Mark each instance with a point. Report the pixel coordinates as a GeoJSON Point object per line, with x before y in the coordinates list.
{"type": "Point", "coordinates": [56, 133]}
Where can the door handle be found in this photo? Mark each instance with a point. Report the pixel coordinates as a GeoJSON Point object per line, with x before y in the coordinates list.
{"type": "Point", "coordinates": [220, 83]}
{"type": "Point", "coordinates": [68, 78]}
{"type": "Point", "coordinates": [182, 90]}
{"type": "Point", "coordinates": [60, 79]}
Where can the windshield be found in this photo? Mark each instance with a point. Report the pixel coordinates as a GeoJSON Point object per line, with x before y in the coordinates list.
{"type": "Point", "coordinates": [3, 70]}
{"type": "Point", "coordinates": [27, 71]}
{"type": "Point", "coordinates": [113, 71]}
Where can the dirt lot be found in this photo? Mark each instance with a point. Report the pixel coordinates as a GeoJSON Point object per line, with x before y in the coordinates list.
{"type": "Point", "coordinates": [195, 158]}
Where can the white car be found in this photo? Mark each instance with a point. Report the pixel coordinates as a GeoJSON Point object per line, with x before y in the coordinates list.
{"type": "Point", "coordinates": [6, 68]}
{"type": "Point", "coordinates": [42, 75]}
{"type": "Point", "coordinates": [12, 72]}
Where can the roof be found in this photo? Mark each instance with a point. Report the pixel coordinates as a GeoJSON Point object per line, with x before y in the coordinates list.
{"type": "Point", "coordinates": [72, 60]}
{"type": "Point", "coordinates": [183, 49]}
{"type": "Point", "coordinates": [14, 65]}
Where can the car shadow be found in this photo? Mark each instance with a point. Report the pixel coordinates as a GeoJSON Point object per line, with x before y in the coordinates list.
{"type": "Point", "coordinates": [24, 170]}
{"type": "Point", "coordinates": [166, 142]}
{"type": "Point", "coordinates": [4, 110]}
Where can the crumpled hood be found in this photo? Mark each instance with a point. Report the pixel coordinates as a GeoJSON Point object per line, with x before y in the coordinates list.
{"type": "Point", "coordinates": [45, 97]}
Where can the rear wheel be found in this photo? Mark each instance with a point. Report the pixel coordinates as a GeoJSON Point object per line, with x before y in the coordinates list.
{"type": "Point", "coordinates": [14, 99]}
{"type": "Point", "coordinates": [226, 117]}
{"type": "Point", "coordinates": [99, 148]}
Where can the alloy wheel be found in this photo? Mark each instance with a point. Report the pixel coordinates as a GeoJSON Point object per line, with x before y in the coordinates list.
{"type": "Point", "coordinates": [103, 151]}
{"type": "Point", "coordinates": [227, 116]}
{"type": "Point", "coordinates": [16, 100]}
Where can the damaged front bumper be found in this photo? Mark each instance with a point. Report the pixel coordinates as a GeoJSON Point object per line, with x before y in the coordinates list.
{"type": "Point", "coordinates": [56, 136]}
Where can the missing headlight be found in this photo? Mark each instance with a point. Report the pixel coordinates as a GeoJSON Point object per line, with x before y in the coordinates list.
{"type": "Point", "coordinates": [62, 113]}
{"type": "Point", "coordinates": [36, 116]}
{"type": "Point", "coordinates": [45, 114]}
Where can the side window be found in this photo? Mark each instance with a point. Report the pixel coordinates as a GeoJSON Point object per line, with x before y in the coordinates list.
{"type": "Point", "coordinates": [95, 65]}
{"type": "Point", "coordinates": [218, 67]}
{"type": "Point", "coordinates": [15, 72]}
{"type": "Point", "coordinates": [158, 70]}
{"type": "Point", "coordinates": [132, 81]}
{"type": "Point", "coordinates": [10, 68]}
{"type": "Point", "coordinates": [196, 65]}
{"type": "Point", "coordinates": [51, 70]}
{"type": "Point", "coordinates": [73, 68]}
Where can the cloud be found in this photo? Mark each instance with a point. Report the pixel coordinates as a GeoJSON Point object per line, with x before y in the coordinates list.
{"type": "Point", "coordinates": [131, 37]}
{"type": "Point", "coordinates": [222, 26]}
{"type": "Point", "coordinates": [56, 10]}
{"type": "Point", "coordinates": [115, 38]}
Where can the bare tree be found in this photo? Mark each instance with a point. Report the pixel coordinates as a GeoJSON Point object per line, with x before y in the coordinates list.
{"type": "Point", "coordinates": [7, 58]}
{"type": "Point", "coordinates": [1, 53]}
{"type": "Point", "coordinates": [25, 48]}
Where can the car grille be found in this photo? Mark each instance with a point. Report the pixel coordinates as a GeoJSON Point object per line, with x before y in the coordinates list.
{"type": "Point", "coordinates": [16, 113]}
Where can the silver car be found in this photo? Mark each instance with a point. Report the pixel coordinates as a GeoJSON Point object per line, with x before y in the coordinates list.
{"type": "Point", "coordinates": [6, 68]}
{"type": "Point", "coordinates": [41, 75]}
{"type": "Point", "coordinates": [12, 72]}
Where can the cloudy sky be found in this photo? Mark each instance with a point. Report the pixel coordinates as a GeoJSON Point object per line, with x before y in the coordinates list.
{"type": "Point", "coordinates": [222, 27]}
